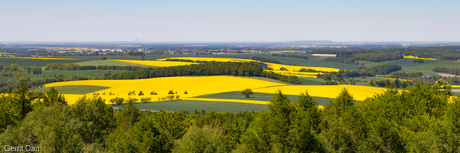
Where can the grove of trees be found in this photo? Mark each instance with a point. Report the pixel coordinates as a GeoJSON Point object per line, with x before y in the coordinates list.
{"type": "Point", "coordinates": [73, 67]}
{"type": "Point", "coordinates": [425, 118]}
{"type": "Point", "coordinates": [447, 70]}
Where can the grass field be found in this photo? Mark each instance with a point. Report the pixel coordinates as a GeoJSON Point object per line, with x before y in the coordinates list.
{"type": "Point", "coordinates": [38, 62]}
{"type": "Point", "coordinates": [427, 69]}
{"type": "Point", "coordinates": [409, 66]}
{"type": "Point", "coordinates": [191, 106]}
{"type": "Point", "coordinates": [258, 96]}
{"type": "Point", "coordinates": [409, 62]}
{"type": "Point", "coordinates": [156, 63]}
{"type": "Point", "coordinates": [6, 79]}
{"type": "Point", "coordinates": [75, 89]}
{"type": "Point", "coordinates": [83, 73]}
{"type": "Point", "coordinates": [107, 62]}
{"type": "Point", "coordinates": [311, 81]}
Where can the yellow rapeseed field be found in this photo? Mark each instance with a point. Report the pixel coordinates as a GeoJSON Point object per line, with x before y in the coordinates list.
{"type": "Point", "coordinates": [298, 74]}
{"type": "Point", "coordinates": [293, 68]}
{"type": "Point", "coordinates": [210, 59]}
{"type": "Point", "coordinates": [195, 86]}
{"type": "Point", "coordinates": [204, 85]}
{"type": "Point", "coordinates": [327, 91]}
{"type": "Point", "coordinates": [415, 57]}
{"type": "Point", "coordinates": [155, 63]}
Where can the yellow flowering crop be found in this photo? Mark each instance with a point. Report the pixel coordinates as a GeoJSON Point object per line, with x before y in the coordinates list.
{"type": "Point", "coordinates": [292, 68]}
{"type": "Point", "coordinates": [195, 86]}
{"type": "Point", "coordinates": [415, 57]}
{"type": "Point", "coordinates": [155, 63]}
{"type": "Point", "coordinates": [210, 59]}
{"type": "Point", "coordinates": [327, 91]}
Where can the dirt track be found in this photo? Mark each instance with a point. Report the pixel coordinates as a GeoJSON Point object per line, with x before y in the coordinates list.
{"type": "Point", "coordinates": [448, 75]}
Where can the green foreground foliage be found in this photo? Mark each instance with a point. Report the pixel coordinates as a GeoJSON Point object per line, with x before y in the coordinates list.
{"type": "Point", "coordinates": [421, 119]}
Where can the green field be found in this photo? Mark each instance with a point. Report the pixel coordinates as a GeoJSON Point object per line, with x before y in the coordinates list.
{"type": "Point", "coordinates": [83, 73]}
{"type": "Point", "coordinates": [427, 69]}
{"type": "Point", "coordinates": [409, 66]}
{"type": "Point", "coordinates": [50, 73]}
{"type": "Point", "coordinates": [191, 106]}
{"type": "Point", "coordinates": [311, 81]}
{"type": "Point", "coordinates": [106, 62]}
{"type": "Point", "coordinates": [37, 62]}
{"type": "Point", "coordinates": [258, 96]}
{"type": "Point", "coordinates": [407, 62]}
{"type": "Point", "coordinates": [6, 79]}
{"type": "Point", "coordinates": [73, 89]}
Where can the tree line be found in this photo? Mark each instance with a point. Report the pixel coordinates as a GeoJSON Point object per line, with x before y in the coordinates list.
{"type": "Point", "coordinates": [371, 71]}
{"type": "Point", "coordinates": [451, 53]}
{"type": "Point", "coordinates": [421, 119]}
{"type": "Point", "coordinates": [406, 75]}
{"type": "Point", "coordinates": [205, 69]}
{"type": "Point", "coordinates": [74, 67]}
{"type": "Point", "coordinates": [447, 70]}
{"type": "Point", "coordinates": [351, 58]}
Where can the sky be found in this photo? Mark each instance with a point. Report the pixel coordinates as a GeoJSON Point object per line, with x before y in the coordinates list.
{"type": "Point", "coordinates": [229, 20]}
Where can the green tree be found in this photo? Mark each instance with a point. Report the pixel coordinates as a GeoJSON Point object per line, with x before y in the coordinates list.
{"type": "Point", "coordinates": [281, 129]}
{"type": "Point", "coordinates": [171, 92]}
{"type": "Point", "coordinates": [247, 92]}
{"type": "Point", "coordinates": [107, 73]}
{"type": "Point", "coordinates": [205, 140]}
{"type": "Point", "coordinates": [22, 100]}
{"type": "Point", "coordinates": [397, 83]}
{"type": "Point", "coordinates": [144, 137]}
{"type": "Point", "coordinates": [52, 97]}
{"type": "Point", "coordinates": [372, 82]}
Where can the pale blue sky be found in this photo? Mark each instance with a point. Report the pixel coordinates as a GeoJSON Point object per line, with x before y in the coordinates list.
{"type": "Point", "coordinates": [229, 21]}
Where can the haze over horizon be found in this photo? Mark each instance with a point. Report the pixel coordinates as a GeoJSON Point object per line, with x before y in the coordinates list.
{"type": "Point", "coordinates": [229, 21]}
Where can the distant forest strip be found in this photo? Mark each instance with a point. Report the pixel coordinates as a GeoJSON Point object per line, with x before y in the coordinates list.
{"type": "Point", "coordinates": [74, 67]}
{"type": "Point", "coordinates": [291, 55]}
{"type": "Point", "coordinates": [406, 75]}
{"type": "Point", "coordinates": [447, 70]}
{"type": "Point", "coordinates": [443, 52]}
{"type": "Point", "coordinates": [206, 69]}
{"type": "Point", "coordinates": [350, 58]}
{"type": "Point", "coordinates": [371, 71]}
